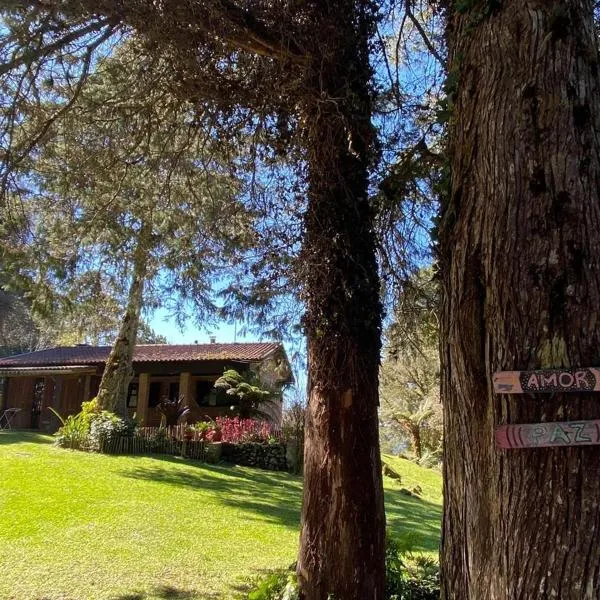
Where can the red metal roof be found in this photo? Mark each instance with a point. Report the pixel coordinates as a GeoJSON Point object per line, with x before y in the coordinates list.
{"type": "Point", "coordinates": [93, 355]}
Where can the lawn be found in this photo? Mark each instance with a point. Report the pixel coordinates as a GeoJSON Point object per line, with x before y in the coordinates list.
{"type": "Point", "coordinates": [82, 526]}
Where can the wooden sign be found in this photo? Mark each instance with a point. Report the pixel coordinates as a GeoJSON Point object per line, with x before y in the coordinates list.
{"type": "Point", "coordinates": [541, 435]}
{"type": "Point", "coordinates": [547, 380]}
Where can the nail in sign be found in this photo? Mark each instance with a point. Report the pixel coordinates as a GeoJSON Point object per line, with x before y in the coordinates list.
{"type": "Point", "coordinates": [547, 380]}
{"type": "Point", "coordinates": [541, 435]}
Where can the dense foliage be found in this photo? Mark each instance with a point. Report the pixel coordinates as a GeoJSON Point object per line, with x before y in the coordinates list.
{"type": "Point", "coordinates": [411, 412]}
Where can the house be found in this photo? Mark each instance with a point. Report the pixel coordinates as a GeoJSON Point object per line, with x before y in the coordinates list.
{"type": "Point", "coordinates": [64, 377]}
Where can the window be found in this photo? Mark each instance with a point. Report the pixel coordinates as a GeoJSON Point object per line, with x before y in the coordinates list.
{"type": "Point", "coordinates": [204, 391]}
{"type": "Point", "coordinates": [154, 394]}
{"type": "Point", "coordinates": [132, 396]}
{"type": "Point", "coordinates": [174, 391]}
{"type": "Point", "coordinates": [207, 395]}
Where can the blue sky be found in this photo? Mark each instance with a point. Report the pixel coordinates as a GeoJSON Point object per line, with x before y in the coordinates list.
{"type": "Point", "coordinates": [224, 332]}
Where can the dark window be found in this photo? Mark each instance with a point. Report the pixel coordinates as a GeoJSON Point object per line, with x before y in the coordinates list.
{"type": "Point", "coordinates": [174, 391]}
{"type": "Point", "coordinates": [154, 394]}
{"type": "Point", "coordinates": [132, 396]}
{"type": "Point", "coordinates": [203, 392]}
{"type": "Point", "coordinates": [207, 395]}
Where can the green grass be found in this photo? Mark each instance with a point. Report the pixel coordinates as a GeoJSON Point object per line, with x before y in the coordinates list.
{"type": "Point", "coordinates": [76, 526]}
{"type": "Point", "coordinates": [414, 522]}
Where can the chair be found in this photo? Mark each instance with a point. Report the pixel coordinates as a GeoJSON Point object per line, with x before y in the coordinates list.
{"type": "Point", "coordinates": [7, 416]}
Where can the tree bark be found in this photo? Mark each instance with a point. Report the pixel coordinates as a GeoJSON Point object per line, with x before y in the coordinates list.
{"type": "Point", "coordinates": [343, 523]}
{"type": "Point", "coordinates": [118, 372]}
{"type": "Point", "coordinates": [519, 249]}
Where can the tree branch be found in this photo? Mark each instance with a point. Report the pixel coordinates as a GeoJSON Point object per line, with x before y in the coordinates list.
{"type": "Point", "coordinates": [32, 54]}
{"type": "Point", "coordinates": [423, 33]}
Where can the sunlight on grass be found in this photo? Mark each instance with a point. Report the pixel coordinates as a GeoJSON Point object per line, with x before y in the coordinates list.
{"type": "Point", "coordinates": [82, 526]}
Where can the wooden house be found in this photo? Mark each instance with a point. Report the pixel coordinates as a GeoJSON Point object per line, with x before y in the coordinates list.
{"type": "Point", "coordinates": [64, 377]}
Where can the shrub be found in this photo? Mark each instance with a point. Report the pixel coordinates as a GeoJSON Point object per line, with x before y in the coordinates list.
{"type": "Point", "coordinates": [236, 430]}
{"type": "Point", "coordinates": [208, 430]}
{"type": "Point", "coordinates": [410, 576]}
{"type": "Point", "coordinates": [74, 431]}
{"type": "Point", "coordinates": [245, 392]}
{"type": "Point", "coordinates": [172, 410]}
{"type": "Point", "coordinates": [422, 579]}
{"type": "Point", "coordinates": [106, 427]}
{"type": "Point", "coordinates": [280, 585]}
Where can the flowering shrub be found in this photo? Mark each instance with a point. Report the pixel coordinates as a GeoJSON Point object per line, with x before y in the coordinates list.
{"type": "Point", "coordinates": [236, 430]}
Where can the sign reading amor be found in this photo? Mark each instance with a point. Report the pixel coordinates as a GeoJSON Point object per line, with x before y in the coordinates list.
{"type": "Point", "coordinates": [547, 380]}
{"type": "Point", "coordinates": [539, 435]}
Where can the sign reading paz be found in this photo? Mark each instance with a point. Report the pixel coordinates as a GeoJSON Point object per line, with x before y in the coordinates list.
{"type": "Point", "coordinates": [547, 380]}
{"type": "Point", "coordinates": [539, 435]}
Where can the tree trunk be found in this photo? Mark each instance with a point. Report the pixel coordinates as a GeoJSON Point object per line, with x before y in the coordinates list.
{"type": "Point", "coordinates": [343, 523]}
{"type": "Point", "coordinates": [415, 432]}
{"type": "Point", "coordinates": [118, 372]}
{"type": "Point", "coordinates": [520, 241]}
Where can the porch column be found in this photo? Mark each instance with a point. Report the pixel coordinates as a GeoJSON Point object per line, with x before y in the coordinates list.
{"type": "Point", "coordinates": [142, 400]}
{"type": "Point", "coordinates": [185, 388]}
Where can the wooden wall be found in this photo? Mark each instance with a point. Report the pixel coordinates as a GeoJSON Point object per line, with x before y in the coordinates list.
{"type": "Point", "coordinates": [20, 395]}
{"type": "Point", "coordinates": [64, 393]}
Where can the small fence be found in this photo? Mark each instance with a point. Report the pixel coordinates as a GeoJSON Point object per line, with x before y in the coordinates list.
{"type": "Point", "coordinates": [177, 440]}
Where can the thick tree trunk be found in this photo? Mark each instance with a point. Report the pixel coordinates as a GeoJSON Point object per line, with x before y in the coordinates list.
{"type": "Point", "coordinates": [343, 523]}
{"type": "Point", "coordinates": [118, 372]}
{"type": "Point", "coordinates": [520, 244]}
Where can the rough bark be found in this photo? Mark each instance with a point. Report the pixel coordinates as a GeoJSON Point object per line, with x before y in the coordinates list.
{"type": "Point", "coordinates": [343, 524]}
{"type": "Point", "coordinates": [520, 241]}
{"type": "Point", "coordinates": [118, 372]}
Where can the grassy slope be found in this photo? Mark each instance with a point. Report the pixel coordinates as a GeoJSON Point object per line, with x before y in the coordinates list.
{"type": "Point", "coordinates": [79, 526]}
{"type": "Point", "coordinates": [415, 522]}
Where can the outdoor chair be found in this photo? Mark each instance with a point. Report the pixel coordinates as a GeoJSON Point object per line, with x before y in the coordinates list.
{"type": "Point", "coordinates": [7, 416]}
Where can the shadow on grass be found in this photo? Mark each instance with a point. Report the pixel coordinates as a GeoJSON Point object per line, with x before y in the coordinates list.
{"type": "Point", "coordinates": [276, 497]}
{"type": "Point", "coordinates": [24, 437]}
{"type": "Point", "coordinates": [168, 593]}
{"type": "Point", "coordinates": [267, 495]}
{"type": "Point", "coordinates": [271, 496]}
{"type": "Point", "coordinates": [414, 522]}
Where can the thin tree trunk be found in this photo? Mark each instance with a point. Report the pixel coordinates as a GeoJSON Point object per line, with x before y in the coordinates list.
{"type": "Point", "coordinates": [343, 523]}
{"type": "Point", "coordinates": [416, 436]}
{"type": "Point", "coordinates": [520, 244]}
{"type": "Point", "coordinates": [118, 372]}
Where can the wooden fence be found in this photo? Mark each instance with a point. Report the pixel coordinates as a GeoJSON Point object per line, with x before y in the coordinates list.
{"type": "Point", "coordinates": [176, 440]}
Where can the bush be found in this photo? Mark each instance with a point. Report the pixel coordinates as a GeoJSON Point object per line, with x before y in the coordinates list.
{"type": "Point", "coordinates": [280, 585]}
{"type": "Point", "coordinates": [408, 577]}
{"type": "Point", "coordinates": [74, 432]}
{"type": "Point", "coordinates": [236, 430]}
{"type": "Point", "coordinates": [172, 409]}
{"type": "Point", "coordinates": [105, 428]}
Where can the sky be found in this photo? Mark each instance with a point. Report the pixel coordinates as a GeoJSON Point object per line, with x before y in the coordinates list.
{"type": "Point", "coordinates": [224, 332]}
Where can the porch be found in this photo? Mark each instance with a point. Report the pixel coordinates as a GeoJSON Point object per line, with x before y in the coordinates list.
{"type": "Point", "coordinates": [35, 392]}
